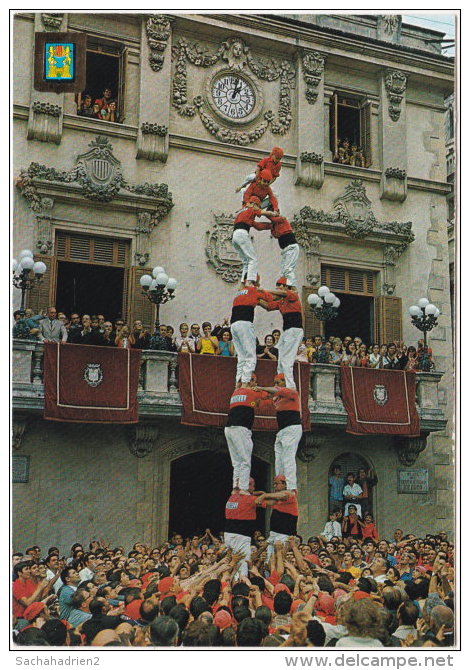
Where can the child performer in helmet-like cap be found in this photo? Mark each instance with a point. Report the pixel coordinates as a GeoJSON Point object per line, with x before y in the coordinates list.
{"type": "Point", "coordinates": [241, 237]}
{"type": "Point", "coordinates": [271, 163]}
{"type": "Point", "coordinates": [260, 187]}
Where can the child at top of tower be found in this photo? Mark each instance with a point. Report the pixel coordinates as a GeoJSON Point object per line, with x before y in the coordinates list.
{"type": "Point", "coordinates": [261, 189]}
{"type": "Point", "coordinates": [271, 163]}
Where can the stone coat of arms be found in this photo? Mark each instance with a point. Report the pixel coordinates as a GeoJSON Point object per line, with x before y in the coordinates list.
{"type": "Point", "coordinates": [219, 250]}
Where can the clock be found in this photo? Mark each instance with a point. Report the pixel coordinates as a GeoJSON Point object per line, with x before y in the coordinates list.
{"type": "Point", "coordinates": [234, 97]}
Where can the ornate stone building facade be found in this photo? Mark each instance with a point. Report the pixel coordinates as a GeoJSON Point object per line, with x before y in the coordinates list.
{"type": "Point", "coordinates": [95, 196]}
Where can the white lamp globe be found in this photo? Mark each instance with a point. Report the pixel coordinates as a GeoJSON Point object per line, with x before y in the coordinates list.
{"type": "Point", "coordinates": [313, 299]}
{"type": "Point", "coordinates": [14, 264]}
{"type": "Point", "coordinates": [337, 302]}
{"type": "Point", "coordinates": [430, 309]}
{"type": "Point", "coordinates": [437, 312]}
{"type": "Point", "coordinates": [162, 279]}
{"type": "Point", "coordinates": [414, 310]}
{"type": "Point", "coordinates": [39, 268]}
{"type": "Point", "coordinates": [323, 290]}
{"type": "Point", "coordinates": [26, 252]}
{"type": "Point", "coordinates": [422, 302]}
{"type": "Point", "coordinates": [172, 284]}
{"type": "Point", "coordinates": [145, 281]}
{"type": "Point", "coordinates": [157, 270]}
{"type": "Point", "coordinates": [329, 298]}
{"type": "Point", "coordinates": [153, 285]}
{"type": "Point", "coordinates": [27, 263]}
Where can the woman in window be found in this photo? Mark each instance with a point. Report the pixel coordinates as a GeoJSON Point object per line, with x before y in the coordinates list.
{"type": "Point", "coordinates": [268, 351]}
{"type": "Point", "coordinates": [226, 347]}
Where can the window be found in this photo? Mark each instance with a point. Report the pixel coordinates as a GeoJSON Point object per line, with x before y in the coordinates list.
{"type": "Point", "coordinates": [105, 71]}
{"type": "Point", "coordinates": [350, 122]}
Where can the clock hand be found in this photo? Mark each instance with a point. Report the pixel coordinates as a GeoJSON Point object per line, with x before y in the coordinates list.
{"type": "Point", "coordinates": [237, 88]}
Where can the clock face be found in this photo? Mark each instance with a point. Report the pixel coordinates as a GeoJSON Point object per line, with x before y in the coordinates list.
{"type": "Point", "coordinates": [233, 96]}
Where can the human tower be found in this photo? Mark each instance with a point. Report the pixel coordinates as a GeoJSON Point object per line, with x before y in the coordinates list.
{"type": "Point", "coordinates": [240, 510]}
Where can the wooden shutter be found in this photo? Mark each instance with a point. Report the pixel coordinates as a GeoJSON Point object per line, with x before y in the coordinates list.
{"type": "Point", "coordinates": [312, 325]}
{"type": "Point", "coordinates": [43, 295]}
{"type": "Point", "coordinates": [355, 282]}
{"type": "Point", "coordinates": [366, 132]}
{"type": "Point", "coordinates": [388, 319]}
{"type": "Point", "coordinates": [122, 85]}
{"type": "Point", "coordinates": [137, 305]}
{"type": "Point", "coordinates": [90, 249]}
{"type": "Point", "coordinates": [334, 123]}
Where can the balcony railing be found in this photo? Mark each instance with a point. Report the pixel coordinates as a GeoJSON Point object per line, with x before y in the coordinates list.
{"type": "Point", "coordinates": [158, 388]}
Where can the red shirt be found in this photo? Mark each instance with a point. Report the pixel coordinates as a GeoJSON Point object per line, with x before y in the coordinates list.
{"type": "Point", "coordinates": [245, 301]}
{"type": "Point", "coordinates": [246, 397]}
{"type": "Point", "coordinates": [369, 530]}
{"type": "Point", "coordinates": [290, 308]}
{"type": "Point", "coordinates": [286, 400]}
{"type": "Point", "coordinates": [240, 507]}
{"type": "Point", "coordinates": [281, 226]}
{"type": "Point", "coordinates": [246, 216]}
{"type": "Point", "coordinates": [269, 164]}
{"type": "Point", "coordinates": [22, 590]}
{"type": "Point", "coordinates": [261, 192]}
{"type": "Point", "coordinates": [288, 506]}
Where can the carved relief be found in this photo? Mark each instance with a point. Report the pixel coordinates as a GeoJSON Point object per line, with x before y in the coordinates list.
{"type": "Point", "coordinates": [158, 33]}
{"type": "Point", "coordinates": [45, 122]}
{"type": "Point", "coordinates": [394, 185]}
{"type": "Point", "coordinates": [409, 448]}
{"type": "Point", "coordinates": [154, 129]}
{"type": "Point", "coordinates": [219, 250]}
{"type": "Point", "coordinates": [238, 56]}
{"type": "Point", "coordinates": [312, 67]}
{"type": "Point", "coordinates": [395, 85]}
{"type": "Point", "coordinates": [310, 444]}
{"type": "Point", "coordinates": [354, 210]}
{"type": "Point", "coordinates": [153, 143]}
{"type": "Point", "coordinates": [46, 108]}
{"type": "Point", "coordinates": [142, 439]}
{"type": "Point", "coordinates": [310, 170]}
{"type": "Point", "coordinates": [389, 27]}
{"type": "Point", "coordinates": [19, 424]}
{"type": "Point", "coordinates": [44, 234]}
{"type": "Point", "coordinates": [51, 21]}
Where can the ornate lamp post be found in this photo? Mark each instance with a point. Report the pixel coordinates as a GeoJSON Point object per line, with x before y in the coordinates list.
{"type": "Point", "coordinates": [158, 288]}
{"type": "Point", "coordinates": [325, 307]}
{"type": "Point", "coordinates": [424, 317]}
{"type": "Point", "coordinates": [22, 277]}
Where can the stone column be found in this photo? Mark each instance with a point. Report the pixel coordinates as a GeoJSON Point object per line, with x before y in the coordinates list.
{"type": "Point", "coordinates": [309, 169]}
{"type": "Point", "coordinates": [46, 110]}
{"type": "Point", "coordinates": [393, 135]}
{"type": "Point", "coordinates": [155, 88]}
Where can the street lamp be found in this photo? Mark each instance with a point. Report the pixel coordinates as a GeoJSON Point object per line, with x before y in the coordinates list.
{"type": "Point", "coordinates": [325, 307]}
{"type": "Point", "coordinates": [158, 288]}
{"type": "Point", "coordinates": [424, 317]}
{"type": "Point", "coordinates": [22, 278]}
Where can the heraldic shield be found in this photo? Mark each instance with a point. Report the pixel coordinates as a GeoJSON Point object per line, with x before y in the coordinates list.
{"type": "Point", "coordinates": [100, 165]}
{"type": "Point", "coordinates": [380, 394]}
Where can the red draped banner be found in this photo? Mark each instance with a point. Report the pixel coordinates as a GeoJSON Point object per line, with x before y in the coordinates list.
{"type": "Point", "coordinates": [90, 384]}
{"type": "Point", "coordinates": [206, 384]}
{"type": "Point", "coordinates": [381, 402]}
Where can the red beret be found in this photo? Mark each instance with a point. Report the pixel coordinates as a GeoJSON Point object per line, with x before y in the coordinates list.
{"type": "Point", "coordinates": [279, 376]}
{"type": "Point", "coordinates": [282, 280]}
{"type": "Point", "coordinates": [33, 610]}
{"type": "Point", "coordinates": [222, 619]}
{"type": "Point", "coordinates": [279, 478]}
{"type": "Point", "coordinates": [265, 174]}
{"type": "Point", "coordinates": [278, 152]}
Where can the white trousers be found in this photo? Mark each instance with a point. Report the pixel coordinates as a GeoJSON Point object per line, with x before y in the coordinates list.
{"type": "Point", "coordinates": [244, 341]}
{"type": "Point", "coordinates": [240, 446]}
{"type": "Point", "coordinates": [285, 449]}
{"type": "Point", "coordinates": [245, 249]}
{"type": "Point", "coordinates": [287, 347]}
{"type": "Point", "coordinates": [289, 258]}
{"type": "Point", "coordinates": [272, 538]}
{"type": "Point", "coordinates": [239, 544]}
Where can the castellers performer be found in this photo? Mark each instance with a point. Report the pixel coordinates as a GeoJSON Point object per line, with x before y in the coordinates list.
{"type": "Point", "coordinates": [241, 237]}
{"type": "Point", "coordinates": [288, 303]}
{"type": "Point", "coordinates": [289, 424]}
{"type": "Point", "coordinates": [282, 230]}
{"type": "Point", "coordinates": [240, 524]}
{"type": "Point", "coordinates": [238, 432]}
{"type": "Point", "coordinates": [263, 191]}
{"type": "Point", "coordinates": [285, 512]}
{"type": "Point", "coordinates": [243, 329]}
{"type": "Point", "coordinates": [271, 163]}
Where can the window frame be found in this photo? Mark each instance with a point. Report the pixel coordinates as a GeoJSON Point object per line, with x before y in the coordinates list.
{"type": "Point", "coordinates": [364, 105]}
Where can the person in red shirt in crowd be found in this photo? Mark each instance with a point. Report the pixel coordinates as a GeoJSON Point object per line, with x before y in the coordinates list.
{"type": "Point", "coordinates": [271, 163]}
{"type": "Point", "coordinates": [25, 590]}
{"type": "Point", "coordinates": [261, 189]}
{"type": "Point", "coordinates": [243, 330]}
{"type": "Point", "coordinates": [289, 423]}
{"type": "Point", "coordinates": [241, 237]}
{"type": "Point", "coordinates": [284, 515]}
{"type": "Point", "coordinates": [238, 432]}
{"type": "Point", "coordinates": [368, 528]}
{"type": "Point", "coordinates": [288, 303]}
{"type": "Point", "coordinates": [240, 522]}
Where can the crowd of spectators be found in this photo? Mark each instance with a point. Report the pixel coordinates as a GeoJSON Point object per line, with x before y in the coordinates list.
{"type": "Point", "coordinates": [104, 108]}
{"type": "Point", "coordinates": [209, 340]}
{"type": "Point", "coordinates": [333, 590]}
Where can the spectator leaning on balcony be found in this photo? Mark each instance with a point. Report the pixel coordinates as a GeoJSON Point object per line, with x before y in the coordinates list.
{"type": "Point", "coordinates": [208, 344]}
{"type": "Point", "coordinates": [51, 329]}
{"type": "Point", "coordinates": [160, 341]}
{"type": "Point", "coordinates": [27, 327]}
{"type": "Point", "coordinates": [139, 338]}
{"type": "Point", "coordinates": [183, 342]}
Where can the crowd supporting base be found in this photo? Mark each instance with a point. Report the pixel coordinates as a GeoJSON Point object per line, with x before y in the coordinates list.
{"type": "Point", "coordinates": [333, 591]}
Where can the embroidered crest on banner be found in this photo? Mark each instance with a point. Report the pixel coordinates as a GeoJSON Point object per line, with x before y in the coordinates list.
{"type": "Point", "coordinates": [380, 394]}
{"type": "Point", "coordinates": [93, 374]}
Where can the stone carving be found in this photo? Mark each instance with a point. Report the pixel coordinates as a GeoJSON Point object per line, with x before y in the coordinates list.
{"type": "Point", "coordinates": [154, 129]}
{"type": "Point", "coordinates": [311, 157]}
{"type": "Point", "coordinates": [158, 34]}
{"type": "Point", "coordinates": [395, 173]}
{"type": "Point", "coordinates": [99, 174]}
{"type": "Point", "coordinates": [310, 169]}
{"type": "Point", "coordinates": [46, 108]}
{"type": "Point", "coordinates": [395, 85]}
{"type": "Point", "coordinates": [312, 67]}
{"type": "Point", "coordinates": [20, 422]}
{"type": "Point", "coordinates": [409, 448]}
{"type": "Point", "coordinates": [308, 448]}
{"type": "Point", "coordinates": [351, 213]}
{"type": "Point", "coordinates": [142, 439]}
{"type": "Point", "coordinates": [239, 56]}
{"type": "Point", "coordinates": [219, 250]}
{"type": "Point", "coordinates": [391, 254]}
{"type": "Point", "coordinates": [388, 289]}
{"type": "Point", "coordinates": [394, 185]}
{"type": "Point", "coordinates": [44, 234]}
{"type": "Point", "coordinates": [51, 21]}
{"type": "Point", "coordinates": [389, 27]}
{"type": "Point", "coordinates": [141, 258]}
{"type": "Point", "coordinates": [145, 222]}
{"type": "Point", "coordinates": [211, 439]}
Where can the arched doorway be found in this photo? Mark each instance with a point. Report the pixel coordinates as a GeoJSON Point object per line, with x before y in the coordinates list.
{"type": "Point", "coordinates": [352, 462]}
{"type": "Point", "coordinates": [200, 484]}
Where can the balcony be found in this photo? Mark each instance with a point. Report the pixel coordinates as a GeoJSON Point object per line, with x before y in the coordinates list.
{"type": "Point", "coordinates": [158, 388]}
